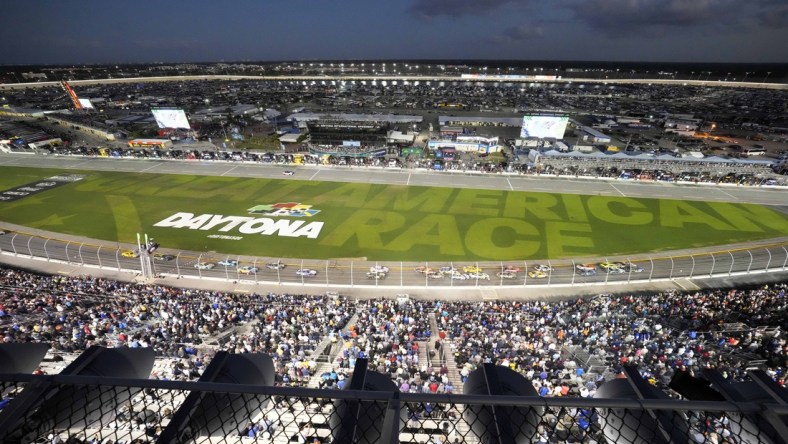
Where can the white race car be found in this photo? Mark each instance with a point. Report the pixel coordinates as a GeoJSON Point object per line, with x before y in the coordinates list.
{"type": "Point", "coordinates": [306, 272]}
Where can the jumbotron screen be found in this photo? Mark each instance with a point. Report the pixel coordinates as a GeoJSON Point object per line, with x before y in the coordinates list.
{"type": "Point", "coordinates": [544, 127]}
{"type": "Point", "coordinates": [86, 103]}
{"type": "Point", "coordinates": [170, 118]}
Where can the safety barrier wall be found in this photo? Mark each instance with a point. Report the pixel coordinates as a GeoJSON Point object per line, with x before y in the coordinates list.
{"type": "Point", "coordinates": [349, 273]}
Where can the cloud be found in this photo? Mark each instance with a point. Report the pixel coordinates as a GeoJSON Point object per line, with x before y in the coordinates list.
{"type": "Point", "coordinates": [774, 15]}
{"type": "Point", "coordinates": [519, 33]}
{"type": "Point", "coordinates": [166, 44]}
{"type": "Point", "coordinates": [429, 9]}
{"type": "Point", "coordinates": [618, 15]}
{"type": "Point", "coordinates": [643, 16]}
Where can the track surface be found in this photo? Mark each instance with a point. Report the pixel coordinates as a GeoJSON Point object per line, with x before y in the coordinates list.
{"type": "Point", "coordinates": [719, 262]}
{"type": "Point", "coordinates": [717, 193]}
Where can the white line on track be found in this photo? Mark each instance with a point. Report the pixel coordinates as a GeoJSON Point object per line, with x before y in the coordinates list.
{"type": "Point", "coordinates": [150, 167]}
{"type": "Point", "coordinates": [408, 183]}
{"type": "Point", "coordinates": [728, 194]}
{"type": "Point", "coordinates": [77, 165]}
{"type": "Point", "coordinates": [619, 191]}
{"type": "Point", "coordinates": [313, 176]}
{"type": "Point", "coordinates": [510, 184]}
{"type": "Point", "coordinates": [229, 171]}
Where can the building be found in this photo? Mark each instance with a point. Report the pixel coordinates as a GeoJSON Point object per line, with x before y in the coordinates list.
{"type": "Point", "coordinates": [162, 144]}
{"type": "Point", "coordinates": [476, 144]}
{"type": "Point", "coordinates": [460, 121]}
{"type": "Point", "coordinates": [591, 135]}
{"type": "Point", "coordinates": [348, 133]}
{"type": "Point", "coordinates": [301, 119]}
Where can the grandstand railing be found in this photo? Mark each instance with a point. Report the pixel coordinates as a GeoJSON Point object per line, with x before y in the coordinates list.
{"type": "Point", "coordinates": [142, 410]}
{"type": "Point", "coordinates": [763, 257]}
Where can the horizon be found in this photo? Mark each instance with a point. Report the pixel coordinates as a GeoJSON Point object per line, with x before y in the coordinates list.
{"type": "Point", "coordinates": [645, 31]}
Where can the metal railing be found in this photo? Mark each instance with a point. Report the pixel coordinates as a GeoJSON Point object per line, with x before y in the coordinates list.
{"type": "Point", "coordinates": [94, 409]}
{"type": "Point", "coordinates": [670, 266]}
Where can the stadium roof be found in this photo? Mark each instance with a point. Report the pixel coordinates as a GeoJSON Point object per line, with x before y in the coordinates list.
{"type": "Point", "coordinates": [508, 121]}
{"type": "Point", "coordinates": [392, 118]}
{"type": "Point", "coordinates": [592, 132]}
{"type": "Point", "coordinates": [645, 156]}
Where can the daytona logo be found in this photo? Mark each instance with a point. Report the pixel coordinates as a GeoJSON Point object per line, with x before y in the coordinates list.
{"type": "Point", "coordinates": [244, 225]}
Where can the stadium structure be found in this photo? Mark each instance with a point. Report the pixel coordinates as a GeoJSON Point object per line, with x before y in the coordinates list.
{"type": "Point", "coordinates": [105, 395]}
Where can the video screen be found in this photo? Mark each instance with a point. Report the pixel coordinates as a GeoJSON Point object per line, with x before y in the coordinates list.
{"type": "Point", "coordinates": [544, 127]}
{"type": "Point", "coordinates": [170, 118]}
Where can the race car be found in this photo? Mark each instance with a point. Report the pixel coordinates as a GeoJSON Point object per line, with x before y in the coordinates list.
{"type": "Point", "coordinates": [375, 275]}
{"type": "Point", "coordinates": [204, 265]}
{"type": "Point", "coordinates": [479, 276]}
{"type": "Point", "coordinates": [306, 272]}
{"type": "Point", "coordinates": [460, 276]}
{"type": "Point", "coordinates": [511, 268]}
{"type": "Point", "coordinates": [424, 270]}
{"type": "Point", "coordinates": [130, 253]}
{"type": "Point", "coordinates": [537, 274]}
{"type": "Point", "coordinates": [472, 269]}
{"type": "Point", "coordinates": [435, 275]}
{"type": "Point", "coordinates": [447, 270]}
{"type": "Point", "coordinates": [585, 272]}
{"type": "Point", "coordinates": [615, 270]}
{"type": "Point", "coordinates": [608, 265]}
{"type": "Point", "coordinates": [586, 267]}
{"type": "Point", "coordinates": [248, 269]}
{"type": "Point", "coordinates": [228, 262]}
{"type": "Point", "coordinates": [288, 173]}
{"type": "Point", "coordinates": [506, 275]}
{"type": "Point", "coordinates": [275, 266]}
{"type": "Point", "coordinates": [378, 269]}
{"type": "Point", "coordinates": [542, 267]}
{"type": "Point", "coordinates": [163, 257]}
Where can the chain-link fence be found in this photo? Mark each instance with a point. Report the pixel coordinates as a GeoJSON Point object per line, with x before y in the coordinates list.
{"type": "Point", "coordinates": [348, 273]}
{"type": "Point", "coordinates": [80, 409]}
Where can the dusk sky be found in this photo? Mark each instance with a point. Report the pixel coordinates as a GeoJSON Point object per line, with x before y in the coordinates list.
{"type": "Point", "coordinates": [108, 31]}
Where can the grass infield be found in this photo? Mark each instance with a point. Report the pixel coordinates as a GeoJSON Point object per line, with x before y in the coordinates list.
{"type": "Point", "coordinates": [320, 220]}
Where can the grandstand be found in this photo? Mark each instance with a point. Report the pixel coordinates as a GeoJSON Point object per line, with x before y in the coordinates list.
{"type": "Point", "coordinates": [587, 370]}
